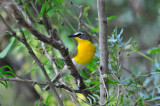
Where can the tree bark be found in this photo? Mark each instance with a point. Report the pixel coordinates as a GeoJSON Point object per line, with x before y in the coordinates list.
{"type": "Point", "coordinates": [103, 49]}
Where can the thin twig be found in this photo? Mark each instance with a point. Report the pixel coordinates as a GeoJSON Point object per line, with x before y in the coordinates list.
{"type": "Point", "coordinates": [80, 14]}
{"type": "Point", "coordinates": [23, 80]}
{"type": "Point", "coordinates": [22, 12]}
{"type": "Point", "coordinates": [53, 9]}
{"type": "Point", "coordinates": [73, 98]}
{"type": "Point", "coordinates": [116, 78]}
{"type": "Point", "coordinates": [62, 23]}
{"type": "Point", "coordinates": [34, 7]}
{"type": "Point", "coordinates": [17, 79]}
{"type": "Point", "coordinates": [101, 76]}
{"type": "Point", "coordinates": [67, 21]}
{"type": "Point", "coordinates": [74, 7]}
{"type": "Point", "coordinates": [11, 31]}
{"type": "Point", "coordinates": [23, 40]}
{"type": "Point", "coordinates": [118, 92]}
{"type": "Point", "coordinates": [58, 44]}
{"type": "Point", "coordinates": [56, 71]}
{"type": "Point", "coordinates": [80, 17]}
{"type": "Point", "coordinates": [49, 58]}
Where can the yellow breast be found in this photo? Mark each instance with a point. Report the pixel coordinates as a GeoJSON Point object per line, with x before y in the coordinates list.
{"type": "Point", "coordinates": [86, 51]}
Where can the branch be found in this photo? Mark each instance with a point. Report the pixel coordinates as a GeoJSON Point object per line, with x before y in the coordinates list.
{"type": "Point", "coordinates": [49, 58]}
{"type": "Point", "coordinates": [68, 90]}
{"type": "Point", "coordinates": [54, 43]}
{"type": "Point", "coordinates": [23, 80]}
{"type": "Point", "coordinates": [103, 47]}
{"type": "Point", "coordinates": [116, 78]}
{"type": "Point", "coordinates": [80, 17]}
{"type": "Point", "coordinates": [102, 79]}
{"type": "Point", "coordinates": [23, 40]}
{"type": "Point", "coordinates": [16, 79]}
{"type": "Point", "coordinates": [118, 92]}
{"type": "Point", "coordinates": [67, 21]}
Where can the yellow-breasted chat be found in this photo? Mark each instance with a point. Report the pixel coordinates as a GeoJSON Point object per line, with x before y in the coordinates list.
{"type": "Point", "coordinates": [81, 55]}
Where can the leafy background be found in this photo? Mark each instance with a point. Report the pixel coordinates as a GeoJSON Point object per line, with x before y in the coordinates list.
{"type": "Point", "coordinates": [134, 37]}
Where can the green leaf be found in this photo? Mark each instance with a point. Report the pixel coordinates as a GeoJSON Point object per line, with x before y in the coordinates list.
{"type": "Point", "coordinates": [5, 51]}
{"type": "Point", "coordinates": [88, 81]}
{"type": "Point", "coordinates": [6, 67]}
{"type": "Point", "coordinates": [96, 96]}
{"type": "Point", "coordinates": [156, 64]}
{"type": "Point", "coordinates": [90, 100]}
{"type": "Point", "coordinates": [113, 82]}
{"type": "Point", "coordinates": [94, 82]}
{"type": "Point", "coordinates": [8, 72]}
{"type": "Point", "coordinates": [110, 18]}
{"type": "Point", "coordinates": [140, 102]}
{"type": "Point", "coordinates": [86, 9]}
{"type": "Point", "coordinates": [4, 82]}
{"type": "Point", "coordinates": [34, 69]}
{"type": "Point", "coordinates": [47, 99]}
{"type": "Point", "coordinates": [155, 98]}
{"type": "Point", "coordinates": [43, 9]}
{"type": "Point", "coordinates": [45, 63]}
{"type": "Point", "coordinates": [84, 74]}
{"type": "Point", "coordinates": [93, 87]}
{"type": "Point", "coordinates": [153, 50]}
{"type": "Point", "coordinates": [38, 102]}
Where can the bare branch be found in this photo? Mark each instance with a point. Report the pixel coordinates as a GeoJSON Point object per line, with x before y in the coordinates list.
{"type": "Point", "coordinates": [118, 92]}
{"type": "Point", "coordinates": [67, 21]}
{"type": "Point", "coordinates": [103, 83]}
{"type": "Point", "coordinates": [74, 7]}
{"type": "Point", "coordinates": [68, 90]}
{"type": "Point", "coordinates": [103, 46]}
{"type": "Point", "coordinates": [49, 58]}
{"type": "Point", "coordinates": [80, 17]}
{"type": "Point", "coordinates": [17, 79]}
{"type": "Point", "coordinates": [23, 40]}
{"type": "Point", "coordinates": [23, 80]}
{"type": "Point", "coordinates": [54, 43]}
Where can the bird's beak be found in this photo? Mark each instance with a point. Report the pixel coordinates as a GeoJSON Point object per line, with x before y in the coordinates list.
{"type": "Point", "coordinates": [72, 35]}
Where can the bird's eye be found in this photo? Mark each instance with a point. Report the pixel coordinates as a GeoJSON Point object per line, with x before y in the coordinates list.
{"type": "Point", "coordinates": [79, 35]}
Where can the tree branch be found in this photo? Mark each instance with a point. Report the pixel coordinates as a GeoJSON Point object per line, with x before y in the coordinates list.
{"type": "Point", "coordinates": [23, 40]}
{"type": "Point", "coordinates": [103, 47]}
{"type": "Point", "coordinates": [23, 80]}
{"type": "Point", "coordinates": [16, 79]}
{"type": "Point", "coordinates": [118, 94]}
{"type": "Point", "coordinates": [54, 43]}
{"type": "Point", "coordinates": [116, 78]}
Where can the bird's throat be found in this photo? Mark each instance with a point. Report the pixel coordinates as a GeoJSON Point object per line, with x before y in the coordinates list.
{"type": "Point", "coordinates": [86, 51]}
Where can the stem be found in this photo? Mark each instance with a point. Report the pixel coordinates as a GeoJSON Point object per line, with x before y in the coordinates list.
{"type": "Point", "coordinates": [145, 56]}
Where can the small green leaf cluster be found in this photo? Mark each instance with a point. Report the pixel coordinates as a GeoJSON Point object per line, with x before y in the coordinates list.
{"type": "Point", "coordinates": [6, 72]}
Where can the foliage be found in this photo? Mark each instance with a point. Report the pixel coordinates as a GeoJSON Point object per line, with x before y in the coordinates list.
{"type": "Point", "coordinates": [6, 74]}
{"type": "Point", "coordinates": [6, 50]}
{"type": "Point", "coordinates": [130, 79]}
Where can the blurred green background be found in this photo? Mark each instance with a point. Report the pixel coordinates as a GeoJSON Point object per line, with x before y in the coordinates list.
{"type": "Point", "coordinates": [139, 19]}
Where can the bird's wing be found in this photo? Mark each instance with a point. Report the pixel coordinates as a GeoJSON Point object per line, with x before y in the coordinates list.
{"type": "Point", "coordinates": [74, 52]}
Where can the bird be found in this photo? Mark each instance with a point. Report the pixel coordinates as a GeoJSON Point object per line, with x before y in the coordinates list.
{"type": "Point", "coordinates": [81, 56]}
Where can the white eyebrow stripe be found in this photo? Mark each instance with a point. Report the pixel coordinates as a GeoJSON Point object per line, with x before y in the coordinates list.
{"type": "Point", "coordinates": [78, 33]}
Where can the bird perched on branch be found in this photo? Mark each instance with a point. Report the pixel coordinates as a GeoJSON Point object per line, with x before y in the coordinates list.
{"type": "Point", "coordinates": [81, 55]}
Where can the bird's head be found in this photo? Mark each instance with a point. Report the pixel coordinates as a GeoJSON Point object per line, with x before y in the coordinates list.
{"type": "Point", "coordinates": [81, 35]}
